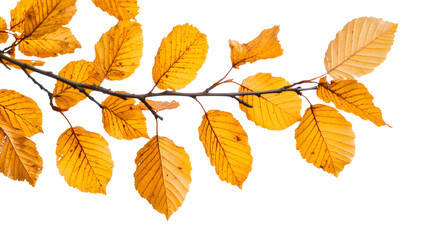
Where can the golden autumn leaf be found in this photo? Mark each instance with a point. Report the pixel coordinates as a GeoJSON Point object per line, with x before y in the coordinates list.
{"type": "Point", "coordinates": [47, 16]}
{"type": "Point", "coordinates": [352, 97]}
{"type": "Point", "coordinates": [119, 50]}
{"type": "Point", "coordinates": [359, 47]}
{"type": "Point", "coordinates": [84, 159]}
{"type": "Point", "coordinates": [163, 174]}
{"type": "Point", "coordinates": [159, 105]}
{"type": "Point", "coordinates": [226, 144]}
{"type": "Point", "coordinates": [325, 138]}
{"type": "Point", "coordinates": [3, 34]}
{"type": "Point", "coordinates": [122, 119]}
{"type": "Point", "coordinates": [181, 54]}
{"type": "Point", "coordinates": [61, 42]}
{"type": "Point", "coordinates": [275, 111]}
{"type": "Point", "coordinates": [265, 46]}
{"type": "Point", "coordinates": [121, 9]}
{"type": "Point", "coordinates": [20, 112]}
{"type": "Point", "coordinates": [18, 15]}
{"type": "Point", "coordinates": [19, 159]}
{"type": "Point", "coordinates": [33, 63]}
{"type": "Point", "coordinates": [77, 71]}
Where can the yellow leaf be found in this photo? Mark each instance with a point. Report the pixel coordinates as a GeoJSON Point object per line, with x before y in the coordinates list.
{"type": "Point", "coordinates": [3, 34]}
{"type": "Point", "coordinates": [47, 16]}
{"type": "Point", "coordinates": [119, 51]}
{"type": "Point", "coordinates": [227, 146]}
{"type": "Point", "coordinates": [352, 97]}
{"type": "Point", "coordinates": [18, 15]}
{"type": "Point", "coordinates": [163, 174]}
{"type": "Point", "coordinates": [159, 105]}
{"type": "Point", "coordinates": [265, 46]}
{"type": "Point", "coordinates": [77, 71]}
{"type": "Point", "coordinates": [121, 9]}
{"type": "Point", "coordinates": [325, 138]}
{"type": "Point", "coordinates": [19, 159]}
{"type": "Point", "coordinates": [20, 112]}
{"type": "Point", "coordinates": [61, 41]}
{"type": "Point", "coordinates": [275, 111]}
{"type": "Point", "coordinates": [122, 119]}
{"type": "Point", "coordinates": [359, 47]}
{"type": "Point", "coordinates": [33, 63]}
{"type": "Point", "coordinates": [84, 159]}
{"type": "Point", "coordinates": [181, 54]}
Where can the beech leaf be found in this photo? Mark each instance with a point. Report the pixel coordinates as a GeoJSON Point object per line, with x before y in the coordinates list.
{"type": "Point", "coordinates": [18, 15]}
{"type": "Point", "coordinates": [3, 34]}
{"type": "Point", "coordinates": [359, 47]}
{"type": "Point", "coordinates": [226, 144]}
{"type": "Point", "coordinates": [163, 174]}
{"type": "Point", "coordinates": [121, 9]}
{"type": "Point", "coordinates": [84, 159]}
{"type": "Point", "coordinates": [159, 105]}
{"type": "Point", "coordinates": [325, 138]}
{"type": "Point", "coordinates": [181, 54]}
{"type": "Point", "coordinates": [265, 46]}
{"type": "Point", "coordinates": [275, 111]}
{"type": "Point", "coordinates": [119, 51]}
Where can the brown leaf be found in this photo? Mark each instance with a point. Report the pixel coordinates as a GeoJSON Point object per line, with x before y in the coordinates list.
{"type": "Point", "coordinates": [159, 105]}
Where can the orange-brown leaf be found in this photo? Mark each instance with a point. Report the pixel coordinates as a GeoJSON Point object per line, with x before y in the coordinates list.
{"type": "Point", "coordinates": [20, 112]}
{"type": "Point", "coordinates": [359, 47]}
{"type": "Point", "coordinates": [19, 159]}
{"type": "Point", "coordinates": [119, 51]}
{"type": "Point", "coordinates": [78, 71]}
{"type": "Point", "coordinates": [61, 42]}
{"type": "Point", "coordinates": [265, 46]}
{"type": "Point", "coordinates": [121, 9]}
{"type": "Point", "coordinates": [226, 144]}
{"type": "Point", "coordinates": [352, 97]}
{"type": "Point", "coordinates": [3, 27]}
{"type": "Point", "coordinates": [159, 105]}
{"type": "Point", "coordinates": [34, 63]}
{"type": "Point", "coordinates": [163, 174]}
{"type": "Point", "coordinates": [84, 159]}
{"type": "Point", "coordinates": [181, 54]}
{"type": "Point", "coordinates": [47, 16]}
{"type": "Point", "coordinates": [275, 111]}
{"type": "Point", "coordinates": [122, 119]}
{"type": "Point", "coordinates": [325, 138]}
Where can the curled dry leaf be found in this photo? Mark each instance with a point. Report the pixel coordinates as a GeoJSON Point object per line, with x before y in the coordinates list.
{"type": "Point", "coordinates": [226, 145]}
{"type": "Point", "coordinates": [20, 112]}
{"type": "Point", "coordinates": [163, 174]}
{"type": "Point", "coordinates": [84, 159]}
{"type": "Point", "coordinates": [122, 119]}
{"type": "Point", "coordinates": [352, 97]}
{"type": "Point", "coordinates": [159, 105]}
{"type": "Point", "coordinates": [121, 9]}
{"type": "Point", "coordinates": [359, 47]}
{"type": "Point", "coordinates": [77, 71]}
{"type": "Point", "coordinates": [275, 111]}
{"type": "Point", "coordinates": [19, 159]}
{"type": "Point", "coordinates": [119, 51]}
{"type": "Point", "coordinates": [265, 46]}
{"type": "Point", "coordinates": [325, 138]}
{"type": "Point", "coordinates": [181, 54]}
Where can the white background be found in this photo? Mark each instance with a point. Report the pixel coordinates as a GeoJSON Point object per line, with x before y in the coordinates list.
{"type": "Point", "coordinates": [382, 194]}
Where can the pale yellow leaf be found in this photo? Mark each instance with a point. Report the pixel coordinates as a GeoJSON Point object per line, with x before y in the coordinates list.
{"type": "Point", "coordinates": [274, 111]}
{"type": "Point", "coordinates": [84, 159]}
{"type": "Point", "coordinates": [181, 54]}
{"type": "Point", "coordinates": [265, 46]}
{"type": "Point", "coordinates": [325, 138]}
{"type": "Point", "coordinates": [121, 9]}
{"type": "Point", "coordinates": [119, 51]}
{"type": "Point", "coordinates": [122, 119]}
{"type": "Point", "coordinates": [20, 112]}
{"type": "Point", "coordinates": [163, 174]}
{"type": "Point", "coordinates": [52, 44]}
{"type": "Point", "coordinates": [226, 145]}
{"type": "Point", "coordinates": [47, 16]}
{"type": "Point", "coordinates": [359, 47]}
{"type": "Point", "coordinates": [3, 34]}
{"type": "Point", "coordinates": [77, 71]}
{"type": "Point", "coordinates": [159, 105]}
{"type": "Point", "coordinates": [352, 97]}
{"type": "Point", "coordinates": [19, 159]}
